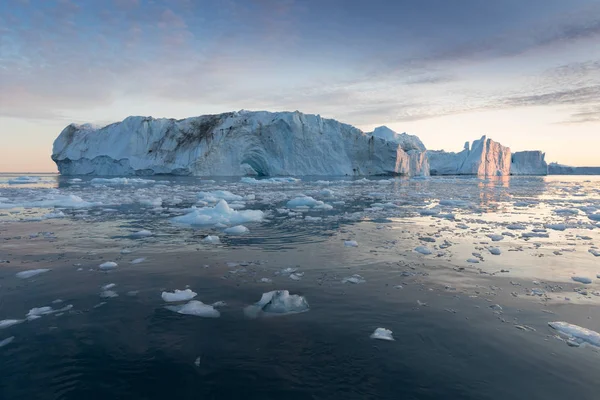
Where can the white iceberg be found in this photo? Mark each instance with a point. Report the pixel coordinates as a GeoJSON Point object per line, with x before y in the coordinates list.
{"type": "Point", "coordinates": [277, 303]}
{"type": "Point", "coordinates": [220, 213]}
{"type": "Point", "coordinates": [382, 334]}
{"type": "Point", "coordinates": [196, 308]}
{"type": "Point", "coordinates": [178, 295]}
{"type": "Point", "coordinates": [31, 273]}
{"type": "Point", "coordinates": [528, 163]}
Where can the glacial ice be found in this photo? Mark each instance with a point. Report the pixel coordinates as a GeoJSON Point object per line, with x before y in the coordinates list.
{"type": "Point", "coordinates": [236, 230]}
{"type": "Point", "coordinates": [178, 295]}
{"type": "Point", "coordinates": [423, 250]}
{"type": "Point", "coordinates": [220, 213]}
{"type": "Point", "coordinates": [576, 333]}
{"type": "Point", "coordinates": [31, 273]}
{"type": "Point", "coordinates": [5, 323]}
{"type": "Point", "coordinates": [307, 201]}
{"type": "Point", "coordinates": [528, 163]}
{"type": "Point", "coordinates": [277, 303]}
{"type": "Point", "coordinates": [196, 308]}
{"type": "Point", "coordinates": [6, 341]}
{"type": "Point", "coordinates": [211, 239]}
{"type": "Point", "coordinates": [234, 144]}
{"type": "Point", "coordinates": [214, 197]}
{"type": "Point", "coordinates": [581, 279]}
{"type": "Point", "coordinates": [23, 180]}
{"type": "Point", "coordinates": [276, 181]}
{"type": "Point", "coordinates": [108, 265]}
{"type": "Point", "coordinates": [121, 181]}
{"type": "Point", "coordinates": [382, 334]}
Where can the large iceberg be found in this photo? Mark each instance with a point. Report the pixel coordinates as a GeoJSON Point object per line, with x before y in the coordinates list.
{"type": "Point", "coordinates": [483, 157]}
{"type": "Point", "coordinates": [235, 144]}
{"type": "Point", "coordinates": [528, 163]}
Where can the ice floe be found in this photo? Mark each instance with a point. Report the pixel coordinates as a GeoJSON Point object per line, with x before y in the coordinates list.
{"type": "Point", "coordinates": [211, 239]}
{"type": "Point", "coordinates": [196, 308]}
{"type": "Point", "coordinates": [576, 334]}
{"type": "Point", "coordinates": [308, 202]}
{"type": "Point", "coordinates": [138, 260]}
{"type": "Point", "coordinates": [5, 323]}
{"type": "Point", "coordinates": [382, 334]}
{"type": "Point", "coordinates": [220, 213]}
{"type": "Point", "coordinates": [277, 303]}
{"type": "Point", "coordinates": [31, 273]}
{"type": "Point", "coordinates": [236, 230]}
{"type": "Point", "coordinates": [423, 250]}
{"type": "Point", "coordinates": [354, 279]}
{"type": "Point", "coordinates": [6, 341]}
{"type": "Point", "coordinates": [581, 279]}
{"type": "Point", "coordinates": [178, 295]}
{"type": "Point", "coordinates": [495, 251]}
{"type": "Point", "coordinates": [108, 265]}
{"type": "Point", "coordinates": [350, 243]}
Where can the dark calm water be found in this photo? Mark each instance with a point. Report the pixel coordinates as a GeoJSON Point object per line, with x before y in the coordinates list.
{"type": "Point", "coordinates": [449, 343]}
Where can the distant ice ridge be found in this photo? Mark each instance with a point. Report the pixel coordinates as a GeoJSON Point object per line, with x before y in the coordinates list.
{"type": "Point", "coordinates": [236, 144]}
{"type": "Point", "coordinates": [560, 169]}
{"type": "Point", "coordinates": [483, 157]}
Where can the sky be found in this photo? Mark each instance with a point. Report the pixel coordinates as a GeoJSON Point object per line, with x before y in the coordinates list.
{"type": "Point", "coordinates": [525, 73]}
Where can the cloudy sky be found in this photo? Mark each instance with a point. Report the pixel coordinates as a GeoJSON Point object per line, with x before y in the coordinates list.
{"type": "Point", "coordinates": [526, 73]}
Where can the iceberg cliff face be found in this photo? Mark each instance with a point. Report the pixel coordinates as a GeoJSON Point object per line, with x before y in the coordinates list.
{"type": "Point", "coordinates": [234, 144]}
{"type": "Point", "coordinates": [528, 163]}
{"type": "Point", "coordinates": [483, 157]}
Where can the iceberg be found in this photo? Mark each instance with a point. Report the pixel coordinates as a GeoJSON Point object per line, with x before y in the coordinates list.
{"type": "Point", "coordinates": [528, 163]}
{"type": "Point", "coordinates": [242, 143]}
{"type": "Point", "coordinates": [277, 303]}
{"type": "Point", "coordinates": [484, 157]}
{"type": "Point", "coordinates": [197, 308]}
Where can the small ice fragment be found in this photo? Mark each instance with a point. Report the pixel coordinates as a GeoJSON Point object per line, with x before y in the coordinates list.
{"type": "Point", "coordinates": [197, 362]}
{"type": "Point", "coordinates": [350, 243]}
{"type": "Point", "coordinates": [196, 308]}
{"type": "Point", "coordinates": [178, 295]}
{"type": "Point", "coordinates": [266, 280]}
{"type": "Point", "coordinates": [109, 286]}
{"type": "Point", "coordinates": [495, 238]}
{"type": "Point", "coordinates": [473, 260]}
{"type": "Point", "coordinates": [421, 303]}
{"type": "Point", "coordinates": [582, 279]}
{"type": "Point", "coordinates": [594, 252]}
{"type": "Point", "coordinates": [31, 272]}
{"type": "Point", "coordinates": [296, 276]}
{"type": "Point", "coordinates": [495, 251]}
{"type": "Point", "coordinates": [5, 323]}
{"type": "Point", "coordinates": [516, 227]}
{"type": "Point", "coordinates": [496, 307]}
{"type": "Point", "coordinates": [108, 294]}
{"type": "Point", "coordinates": [423, 250]}
{"type": "Point", "coordinates": [211, 239]}
{"type": "Point", "coordinates": [6, 341]}
{"type": "Point", "coordinates": [277, 303]}
{"type": "Point", "coordinates": [236, 230]}
{"type": "Point", "coordinates": [556, 227]}
{"type": "Point", "coordinates": [138, 260]}
{"type": "Point", "coordinates": [382, 334]}
{"type": "Point", "coordinates": [125, 251]}
{"type": "Point", "coordinates": [219, 304]}
{"type": "Point", "coordinates": [108, 265]}
{"type": "Point", "coordinates": [141, 234]}
{"type": "Point", "coordinates": [354, 279]}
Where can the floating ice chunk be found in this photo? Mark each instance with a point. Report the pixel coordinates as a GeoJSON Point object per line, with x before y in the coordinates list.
{"type": "Point", "coordinates": [6, 341]}
{"type": "Point", "coordinates": [576, 333]}
{"type": "Point", "coordinates": [350, 243]}
{"type": "Point", "coordinates": [429, 212]}
{"type": "Point", "coordinates": [221, 213]}
{"type": "Point", "coordinates": [107, 294]}
{"type": "Point", "coordinates": [280, 181]}
{"type": "Point", "coordinates": [196, 308]}
{"type": "Point", "coordinates": [307, 201]}
{"type": "Point", "coordinates": [141, 234]}
{"type": "Point", "coordinates": [495, 251]}
{"type": "Point", "coordinates": [31, 273]}
{"type": "Point", "coordinates": [354, 279]}
{"type": "Point", "coordinates": [473, 260]}
{"type": "Point", "coordinates": [237, 230]}
{"type": "Point", "coordinates": [37, 312]}
{"type": "Point", "coordinates": [308, 218]}
{"type": "Point", "coordinates": [266, 280]}
{"type": "Point", "coordinates": [178, 295]}
{"type": "Point", "coordinates": [5, 323]}
{"type": "Point", "coordinates": [54, 215]}
{"type": "Point", "coordinates": [326, 193]}
{"type": "Point", "coordinates": [516, 227]}
{"type": "Point", "coordinates": [121, 181]}
{"type": "Point", "coordinates": [217, 304]}
{"type": "Point", "coordinates": [197, 362]}
{"type": "Point", "coordinates": [277, 303]}
{"type": "Point", "coordinates": [462, 226]}
{"type": "Point", "coordinates": [423, 250]}
{"type": "Point", "coordinates": [581, 279]}
{"type": "Point", "coordinates": [211, 239]}
{"type": "Point", "coordinates": [382, 334]}
{"type": "Point", "coordinates": [24, 180]}
{"type": "Point", "coordinates": [534, 234]}
{"type": "Point", "coordinates": [556, 227]}
{"type": "Point", "coordinates": [213, 197]}
{"type": "Point", "coordinates": [567, 211]}
{"type": "Point", "coordinates": [296, 276]}
{"type": "Point", "coordinates": [66, 201]}
{"type": "Point", "coordinates": [108, 286]}
{"type": "Point", "coordinates": [594, 252]}
{"type": "Point", "coordinates": [138, 260]}
{"type": "Point", "coordinates": [594, 217]}
{"type": "Point", "coordinates": [108, 265]}
{"type": "Point", "coordinates": [496, 307]}
{"type": "Point", "coordinates": [495, 238]}
{"type": "Point", "coordinates": [453, 203]}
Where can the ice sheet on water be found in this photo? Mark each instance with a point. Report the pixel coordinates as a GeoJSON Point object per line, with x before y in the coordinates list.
{"type": "Point", "coordinates": [31, 273]}
{"type": "Point", "coordinates": [576, 333]}
{"type": "Point", "coordinates": [382, 334]}
{"type": "Point", "coordinates": [423, 250]}
{"type": "Point", "coordinates": [236, 230]}
{"type": "Point", "coordinates": [6, 341]}
{"type": "Point", "coordinates": [121, 181]}
{"type": "Point", "coordinates": [23, 180]}
{"type": "Point", "coordinates": [582, 279]}
{"type": "Point", "coordinates": [221, 213]}
{"type": "Point", "coordinates": [5, 323]}
{"type": "Point", "coordinates": [196, 308]}
{"type": "Point", "coordinates": [277, 303]}
{"type": "Point", "coordinates": [178, 295]}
